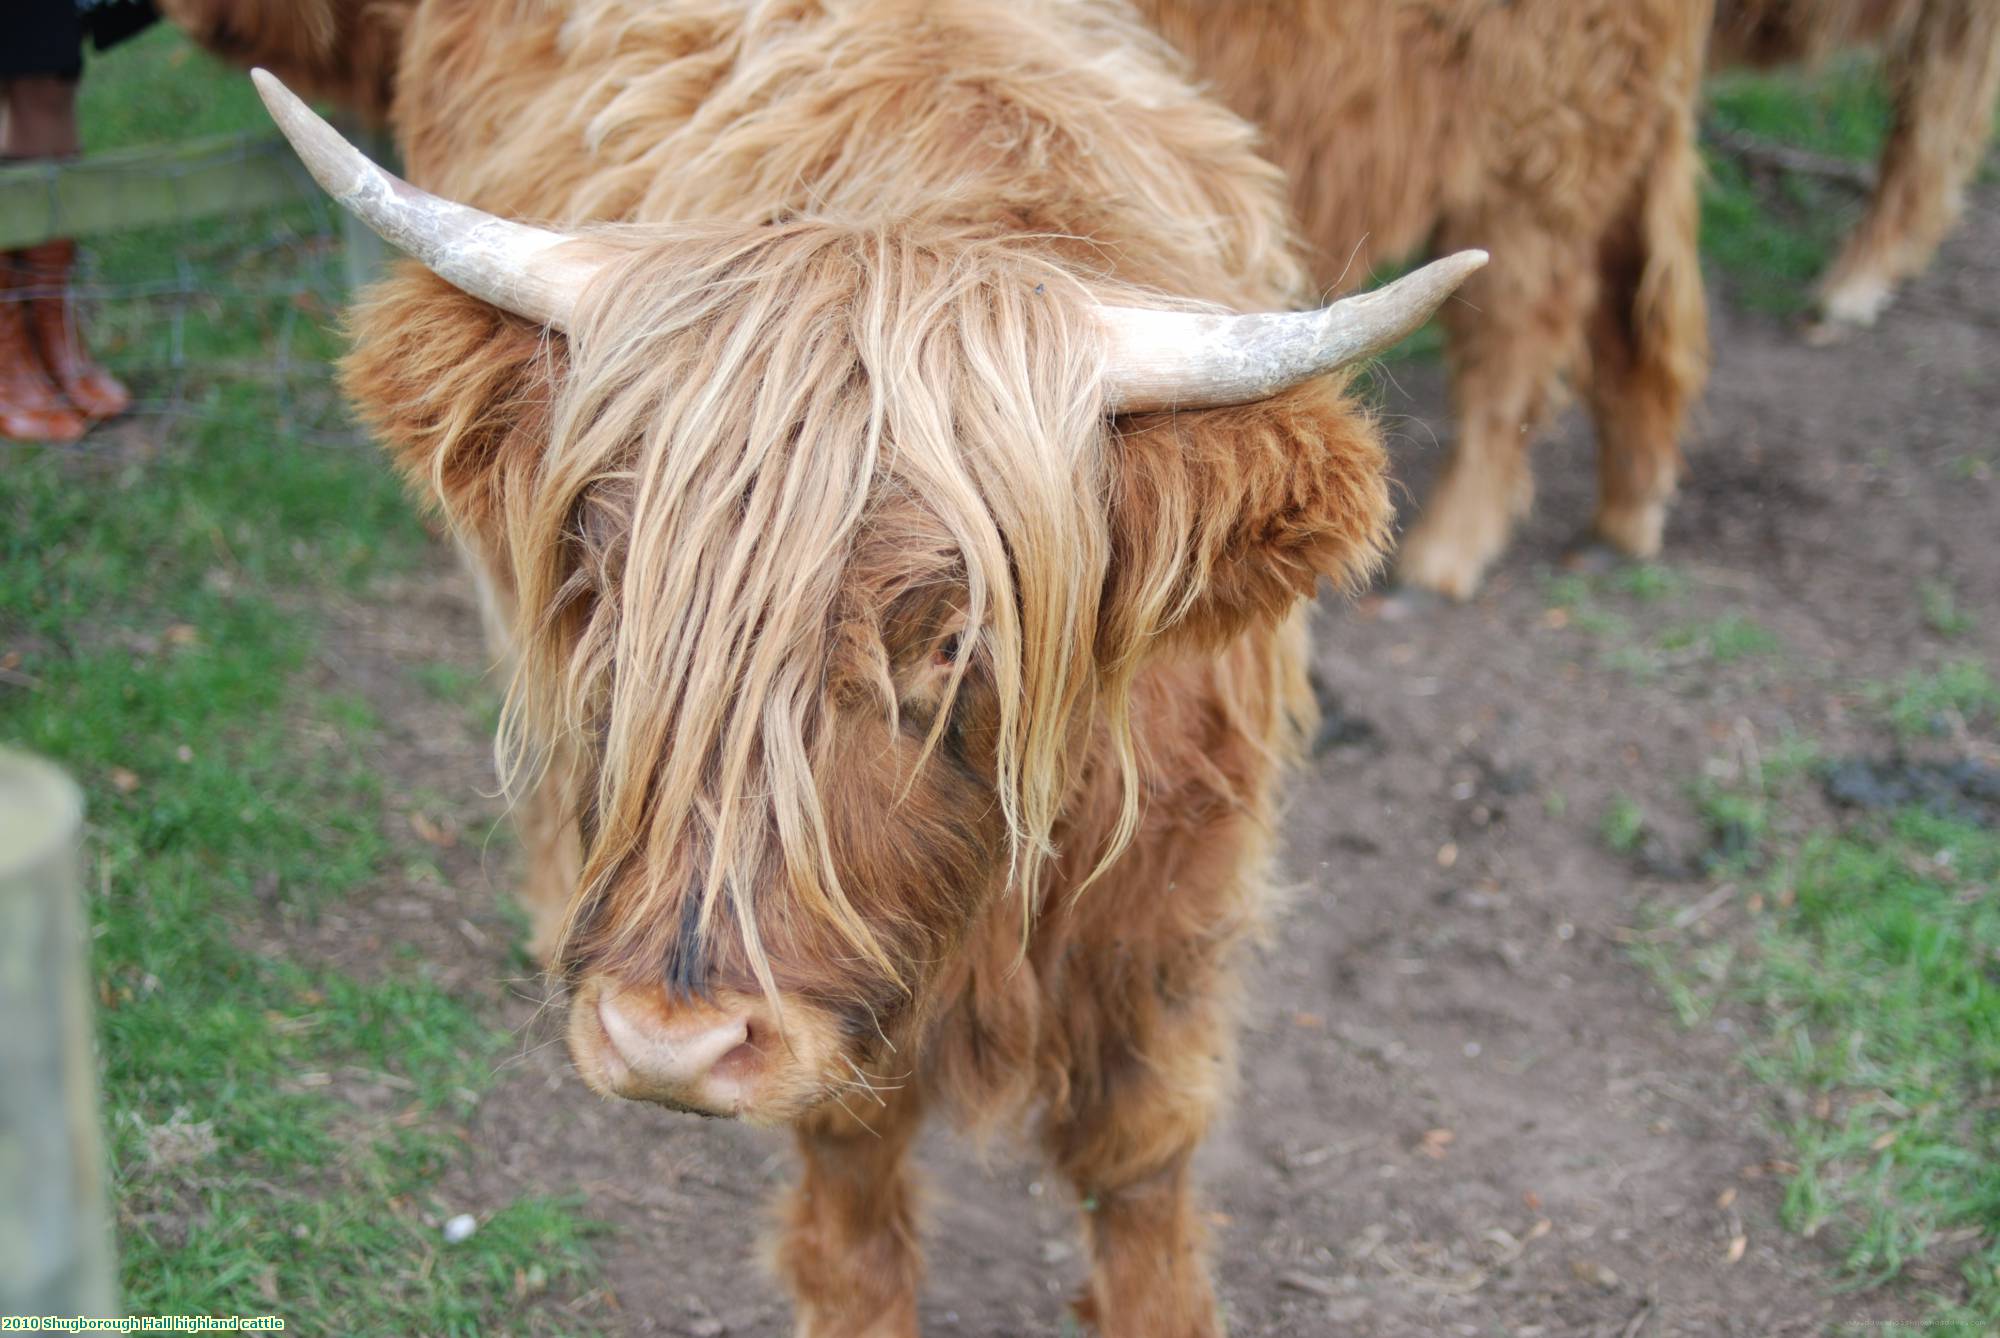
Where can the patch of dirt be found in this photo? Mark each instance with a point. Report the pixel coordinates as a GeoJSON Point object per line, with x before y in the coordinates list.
{"type": "Point", "coordinates": [1464, 1109]}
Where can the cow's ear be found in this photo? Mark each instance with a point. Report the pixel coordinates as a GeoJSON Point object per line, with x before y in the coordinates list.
{"type": "Point", "coordinates": [1226, 517]}
{"type": "Point", "coordinates": [457, 390]}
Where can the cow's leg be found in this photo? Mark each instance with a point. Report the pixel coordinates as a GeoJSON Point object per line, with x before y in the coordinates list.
{"type": "Point", "coordinates": [1648, 353]}
{"type": "Point", "coordinates": [849, 1247]}
{"type": "Point", "coordinates": [1943, 77]}
{"type": "Point", "coordinates": [1125, 1140]}
{"type": "Point", "coordinates": [1511, 330]}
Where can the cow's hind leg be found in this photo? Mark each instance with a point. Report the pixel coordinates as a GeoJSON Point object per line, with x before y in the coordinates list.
{"type": "Point", "coordinates": [1648, 352]}
{"type": "Point", "coordinates": [1943, 77]}
{"type": "Point", "coordinates": [1512, 329]}
{"type": "Point", "coordinates": [848, 1247]}
{"type": "Point", "coordinates": [1125, 1140]}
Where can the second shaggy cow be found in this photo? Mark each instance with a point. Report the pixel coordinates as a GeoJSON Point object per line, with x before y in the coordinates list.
{"type": "Point", "coordinates": [1559, 134]}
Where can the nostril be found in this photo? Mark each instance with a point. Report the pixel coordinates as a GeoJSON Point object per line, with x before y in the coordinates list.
{"type": "Point", "coordinates": [739, 1066]}
{"type": "Point", "coordinates": [670, 1050]}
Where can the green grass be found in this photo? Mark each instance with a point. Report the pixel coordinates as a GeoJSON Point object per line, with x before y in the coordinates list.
{"type": "Point", "coordinates": [1727, 639]}
{"type": "Point", "coordinates": [1959, 694]}
{"type": "Point", "coordinates": [1769, 238]}
{"type": "Point", "coordinates": [1942, 614]}
{"type": "Point", "coordinates": [1622, 825]}
{"type": "Point", "coordinates": [1616, 610]}
{"type": "Point", "coordinates": [1867, 961]}
{"type": "Point", "coordinates": [159, 86]}
{"type": "Point", "coordinates": [279, 1130]}
{"type": "Point", "coordinates": [1884, 1004]}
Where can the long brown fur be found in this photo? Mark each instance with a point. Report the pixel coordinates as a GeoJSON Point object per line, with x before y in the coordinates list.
{"type": "Point", "coordinates": [1558, 134]}
{"type": "Point", "coordinates": [859, 658]}
{"type": "Point", "coordinates": [1941, 61]}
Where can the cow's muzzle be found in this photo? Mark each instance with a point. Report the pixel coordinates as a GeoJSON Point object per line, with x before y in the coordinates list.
{"type": "Point", "coordinates": [726, 1056]}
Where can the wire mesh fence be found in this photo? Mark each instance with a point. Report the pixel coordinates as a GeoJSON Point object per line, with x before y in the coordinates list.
{"type": "Point", "coordinates": [210, 280]}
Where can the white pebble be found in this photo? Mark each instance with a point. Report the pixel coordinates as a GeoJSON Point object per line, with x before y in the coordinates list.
{"type": "Point", "coordinates": [460, 1227]}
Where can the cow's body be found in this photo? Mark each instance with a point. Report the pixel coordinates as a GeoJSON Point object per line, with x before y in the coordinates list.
{"type": "Point", "coordinates": [1941, 60]}
{"type": "Point", "coordinates": [1560, 134]}
{"type": "Point", "coordinates": [1066, 128]}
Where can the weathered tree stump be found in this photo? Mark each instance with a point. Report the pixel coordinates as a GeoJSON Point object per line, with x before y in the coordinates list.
{"type": "Point", "coordinates": [55, 1242]}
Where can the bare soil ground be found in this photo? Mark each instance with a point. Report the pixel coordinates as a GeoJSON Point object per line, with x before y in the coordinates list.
{"type": "Point", "coordinates": [1464, 1109]}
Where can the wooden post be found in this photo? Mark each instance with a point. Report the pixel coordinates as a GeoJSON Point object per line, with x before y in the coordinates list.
{"type": "Point", "coordinates": [132, 188]}
{"type": "Point", "coordinates": [55, 1242]}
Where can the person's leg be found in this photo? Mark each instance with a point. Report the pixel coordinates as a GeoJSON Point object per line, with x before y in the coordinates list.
{"type": "Point", "coordinates": [40, 118]}
{"type": "Point", "coordinates": [41, 123]}
{"type": "Point", "coordinates": [31, 407]}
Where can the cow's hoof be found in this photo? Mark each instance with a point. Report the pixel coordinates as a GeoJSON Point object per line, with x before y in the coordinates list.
{"type": "Point", "coordinates": [1592, 555]}
{"type": "Point", "coordinates": [1846, 308]}
{"type": "Point", "coordinates": [1634, 530]}
{"type": "Point", "coordinates": [1406, 603]}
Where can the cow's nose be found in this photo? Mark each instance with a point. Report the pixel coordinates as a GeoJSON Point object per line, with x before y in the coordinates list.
{"type": "Point", "coordinates": [680, 1052]}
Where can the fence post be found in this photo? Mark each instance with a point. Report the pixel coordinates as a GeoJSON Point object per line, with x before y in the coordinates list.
{"type": "Point", "coordinates": [55, 1241]}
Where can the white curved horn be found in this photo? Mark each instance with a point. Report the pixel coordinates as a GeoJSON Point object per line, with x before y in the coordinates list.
{"type": "Point", "coordinates": [1189, 360]}
{"type": "Point", "coordinates": [512, 265]}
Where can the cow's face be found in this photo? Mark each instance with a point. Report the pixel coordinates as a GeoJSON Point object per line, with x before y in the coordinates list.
{"type": "Point", "coordinates": [814, 567]}
{"type": "Point", "coordinates": [900, 737]}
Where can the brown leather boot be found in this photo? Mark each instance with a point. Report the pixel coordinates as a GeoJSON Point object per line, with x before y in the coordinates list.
{"type": "Point", "coordinates": [45, 269]}
{"type": "Point", "coordinates": [31, 406]}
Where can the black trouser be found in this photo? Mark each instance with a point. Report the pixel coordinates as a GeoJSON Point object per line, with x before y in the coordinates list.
{"type": "Point", "coordinates": [46, 37]}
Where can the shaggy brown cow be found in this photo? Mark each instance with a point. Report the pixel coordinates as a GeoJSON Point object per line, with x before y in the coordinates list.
{"type": "Point", "coordinates": [898, 697]}
{"type": "Point", "coordinates": [1942, 63]}
{"type": "Point", "coordinates": [1560, 134]}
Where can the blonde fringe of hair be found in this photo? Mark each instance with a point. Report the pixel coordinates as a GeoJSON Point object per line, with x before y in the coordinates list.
{"type": "Point", "coordinates": [738, 402]}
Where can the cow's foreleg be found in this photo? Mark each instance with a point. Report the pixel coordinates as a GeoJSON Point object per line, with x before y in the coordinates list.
{"type": "Point", "coordinates": [1943, 77]}
{"type": "Point", "coordinates": [849, 1247]}
{"type": "Point", "coordinates": [1512, 330]}
{"type": "Point", "coordinates": [1126, 1142]}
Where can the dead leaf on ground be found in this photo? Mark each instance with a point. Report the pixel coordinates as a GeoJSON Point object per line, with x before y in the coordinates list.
{"type": "Point", "coordinates": [1435, 1142]}
{"type": "Point", "coordinates": [442, 834]}
{"type": "Point", "coordinates": [1589, 1270]}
